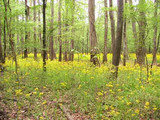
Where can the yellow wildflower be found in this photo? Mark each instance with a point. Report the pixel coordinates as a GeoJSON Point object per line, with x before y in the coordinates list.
{"type": "Point", "coordinates": [63, 84]}
{"type": "Point", "coordinates": [119, 90]}
{"type": "Point", "coordinates": [45, 102]}
{"type": "Point", "coordinates": [28, 95]}
{"type": "Point", "coordinates": [133, 115]}
{"type": "Point", "coordinates": [129, 103]}
{"type": "Point", "coordinates": [40, 94]}
{"type": "Point", "coordinates": [36, 89]}
{"type": "Point", "coordinates": [154, 108]}
{"type": "Point", "coordinates": [137, 111]}
{"type": "Point", "coordinates": [109, 85]}
{"type": "Point", "coordinates": [41, 118]}
{"type": "Point", "coordinates": [137, 101]}
{"type": "Point", "coordinates": [44, 87]}
{"type": "Point", "coordinates": [106, 107]}
{"type": "Point", "coordinates": [100, 94]}
{"type": "Point", "coordinates": [147, 104]}
{"type": "Point", "coordinates": [79, 86]}
{"type": "Point", "coordinates": [18, 92]}
{"type": "Point", "coordinates": [34, 92]}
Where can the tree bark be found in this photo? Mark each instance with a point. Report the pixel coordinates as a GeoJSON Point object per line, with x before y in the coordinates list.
{"type": "Point", "coordinates": [51, 42]}
{"type": "Point", "coordinates": [39, 26]}
{"type": "Point", "coordinates": [105, 33]}
{"type": "Point", "coordinates": [125, 47]}
{"type": "Point", "coordinates": [1, 52]}
{"type": "Point", "coordinates": [35, 35]}
{"type": "Point", "coordinates": [134, 25]}
{"type": "Point", "coordinates": [92, 32]}
{"type": "Point", "coordinates": [117, 48]}
{"type": "Point", "coordinates": [111, 14]}
{"type": "Point", "coordinates": [141, 50]}
{"type": "Point", "coordinates": [4, 29]}
{"type": "Point", "coordinates": [71, 56]}
{"type": "Point", "coordinates": [26, 33]}
{"type": "Point", "coordinates": [44, 35]}
{"type": "Point", "coordinates": [155, 34]}
{"type": "Point", "coordinates": [10, 34]}
{"type": "Point", "coordinates": [59, 31]}
{"type": "Point", "coordinates": [66, 19]}
{"type": "Point", "coordinates": [65, 55]}
{"type": "Point", "coordinates": [87, 40]}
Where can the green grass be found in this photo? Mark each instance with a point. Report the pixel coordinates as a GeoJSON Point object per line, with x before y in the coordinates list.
{"type": "Point", "coordinates": [84, 89]}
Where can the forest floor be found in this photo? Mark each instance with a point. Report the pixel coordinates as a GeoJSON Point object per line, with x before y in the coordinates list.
{"type": "Point", "coordinates": [86, 91]}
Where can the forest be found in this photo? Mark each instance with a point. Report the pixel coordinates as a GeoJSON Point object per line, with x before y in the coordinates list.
{"type": "Point", "coordinates": [79, 60]}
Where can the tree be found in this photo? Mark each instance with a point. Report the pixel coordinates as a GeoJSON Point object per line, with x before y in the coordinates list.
{"type": "Point", "coordinates": [92, 32]}
{"type": "Point", "coordinates": [26, 33]}
{"type": "Point", "coordinates": [71, 55]}
{"type": "Point", "coordinates": [39, 26]}
{"type": "Point", "coordinates": [10, 33]}
{"type": "Point", "coordinates": [111, 14]}
{"type": "Point", "coordinates": [125, 47]}
{"type": "Point", "coordinates": [117, 48]}
{"type": "Point", "coordinates": [59, 31]}
{"type": "Point", "coordinates": [133, 24]}
{"type": "Point", "coordinates": [1, 52]}
{"type": "Point", "coordinates": [4, 39]}
{"type": "Point", "coordinates": [51, 45]}
{"type": "Point", "coordinates": [44, 35]}
{"type": "Point", "coordinates": [105, 33]}
{"type": "Point", "coordinates": [35, 35]}
{"type": "Point", "coordinates": [18, 31]}
{"type": "Point", "coordinates": [65, 55]}
{"type": "Point", "coordinates": [141, 51]}
{"type": "Point", "coordinates": [155, 34]}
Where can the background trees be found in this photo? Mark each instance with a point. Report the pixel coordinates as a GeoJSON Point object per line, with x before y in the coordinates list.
{"type": "Point", "coordinates": [67, 27]}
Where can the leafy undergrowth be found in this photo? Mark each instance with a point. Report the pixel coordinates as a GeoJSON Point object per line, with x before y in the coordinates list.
{"type": "Point", "coordinates": [88, 92]}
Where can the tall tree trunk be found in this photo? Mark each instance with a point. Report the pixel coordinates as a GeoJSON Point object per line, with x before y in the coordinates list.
{"type": "Point", "coordinates": [4, 29]}
{"type": "Point", "coordinates": [59, 31]}
{"type": "Point", "coordinates": [39, 26]}
{"type": "Point", "coordinates": [87, 40]}
{"type": "Point", "coordinates": [10, 34]}
{"type": "Point", "coordinates": [141, 50]}
{"type": "Point", "coordinates": [18, 31]}
{"type": "Point", "coordinates": [117, 48]}
{"type": "Point", "coordinates": [71, 55]}
{"type": "Point", "coordinates": [125, 48]}
{"type": "Point", "coordinates": [26, 33]}
{"type": "Point", "coordinates": [35, 35]}
{"type": "Point", "coordinates": [1, 53]}
{"type": "Point", "coordinates": [134, 25]}
{"type": "Point", "coordinates": [52, 54]}
{"type": "Point", "coordinates": [65, 55]}
{"type": "Point", "coordinates": [155, 34]}
{"type": "Point", "coordinates": [105, 33]}
{"type": "Point", "coordinates": [93, 37]}
{"type": "Point", "coordinates": [44, 35]}
{"type": "Point", "coordinates": [22, 34]}
{"type": "Point", "coordinates": [66, 19]}
{"type": "Point", "coordinates": [111, 14]}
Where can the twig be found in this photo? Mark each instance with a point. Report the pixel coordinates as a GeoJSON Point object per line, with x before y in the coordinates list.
{"type": "Point", "coordinates": [147, 68]}
{"type": "Point", "coordinates": [155, 53]}
{"type": "Point", "coordinates": [63, 108]}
